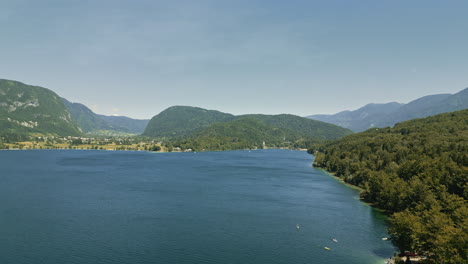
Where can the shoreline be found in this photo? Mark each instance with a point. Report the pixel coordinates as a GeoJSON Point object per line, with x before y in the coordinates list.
{"type": "Point", "coordinates": [389, 260]}
{"type": "Point", "coordinates": [357, 188]}
{"type": "Point", "coordinates": [341, 180]}
{"type": "Point", "coordinates": [143, 150]}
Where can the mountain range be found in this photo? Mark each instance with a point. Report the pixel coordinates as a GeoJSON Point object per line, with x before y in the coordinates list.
{"type": "Point", "coordinates": [383, 115]}
{"type": "Point", "coordinates": [34, 110]}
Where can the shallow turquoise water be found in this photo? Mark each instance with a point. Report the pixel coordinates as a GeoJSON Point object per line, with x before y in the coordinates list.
{"type": "Point", "coordinates": [212, 207]}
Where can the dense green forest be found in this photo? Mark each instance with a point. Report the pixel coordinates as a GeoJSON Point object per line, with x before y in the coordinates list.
{"type": "Point", "coordinates": [200, 129]}
{"type": "Point", "coordinates": [261, 131]}
{"type": "Point", "coordinates": [244, 133]}
{"type": "Point", "coordinates": [417, 171]}
{"type": "Point", "coordinates": [183, 121]}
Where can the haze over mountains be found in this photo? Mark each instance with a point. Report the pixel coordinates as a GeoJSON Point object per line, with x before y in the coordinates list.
{"type": "Point", "coordinates": [33, 110]}
{"type": "Point", "coordinates": [93, 123]}
{"type": "Point", "coordinates": [383, 115]}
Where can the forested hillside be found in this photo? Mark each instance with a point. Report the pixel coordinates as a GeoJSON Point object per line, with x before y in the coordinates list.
{"type": "Point", "coordinates": [95, 124]}
{"type": "Point", "coordinates": [299, 126]}
{"type": "Point", "coordinates": [183, 121]}
{"type": "Point", "coordinates": [27, 109]}
{"type": "Point", "coordinates": [200, 129]}
{"type": "Point", "coordinates": [86, 119]}
{"type": "Point", "coordinates": [416, 171]}
{"type": "Point", "coordinates": [258, 131]}
{"type": "Point", "coordinates": [126, 124]}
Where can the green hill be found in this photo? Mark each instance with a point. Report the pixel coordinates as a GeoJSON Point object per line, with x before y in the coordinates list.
{"type": "Point", "coordinates": [418, 172]}
{"type": "Point", "coordinates": [26, 110]}
{"type": "Point", "coordinates": [183, 121]}
{"type": "Point", "coordinates": [200, 129]}
{"type": "Point", "coordinates": [242, 133]}
{"type": "Point", "coordinates": [259, 131]}
{"type": "Point", "coordinates": [300, 126]}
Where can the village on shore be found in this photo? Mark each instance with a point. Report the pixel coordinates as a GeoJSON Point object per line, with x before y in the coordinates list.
{"type": "Point", "coordinates": [90, 143]}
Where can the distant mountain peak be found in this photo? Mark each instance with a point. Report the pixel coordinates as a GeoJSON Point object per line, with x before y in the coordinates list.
{"type": "Point", "coordinates": [388, 114]}
{"type": "Point", "coordinates": [93, 123]}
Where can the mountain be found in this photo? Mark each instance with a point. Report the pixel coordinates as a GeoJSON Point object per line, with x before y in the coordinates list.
{"type": "Point", "coordinates": [27, 109]}
{"type": "Point", "coordinates": [427, 106]}
{"type": "Point", "coordinates": [300, 126]}
{"type": "Point", "coordinates": [197, 128]}
{"type": "Point", "coordinates": [183, 121]}
{"type": "Point", "coordinates": [86, 119]}
{"type": "Point", "coordinates": [456, 101]}
{"type": "Point", "coordinates": [417, 172]}
{"type": "Point", "coordinates": [126, 124]}
{"type": "Point", "coordinates": [93, 123]}
{"type": "Point", "coordinates": [242, 133]}
{"type": "Point", "coordinates": [383, 115]}
{"type": "Point", "coordinates": [360, 119]}
{"type": "Point", "coordinates": [418, 108]}
{"type": "Point", "coordinates": [259, 131]}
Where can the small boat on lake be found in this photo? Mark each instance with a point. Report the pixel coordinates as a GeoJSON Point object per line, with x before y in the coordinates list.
{"type": "Point", "coordinates": [326, 248]}
{"type": "Point", "coordinates": [335, 240]}
{"type": "Point", "coordinates": [297, 226]}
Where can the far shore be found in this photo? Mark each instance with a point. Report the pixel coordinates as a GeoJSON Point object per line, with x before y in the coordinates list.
{"type": "Point", "coordinates": [114, 148]}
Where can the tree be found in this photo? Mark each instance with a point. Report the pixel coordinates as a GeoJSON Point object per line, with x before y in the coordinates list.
{"type": "Point", "coordinates": [406, 229]}
{"type": "Point", "coordinates": [155, 148]}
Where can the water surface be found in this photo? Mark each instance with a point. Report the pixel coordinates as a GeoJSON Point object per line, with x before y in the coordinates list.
{"type": "Point", "coordinates": [212, 207]}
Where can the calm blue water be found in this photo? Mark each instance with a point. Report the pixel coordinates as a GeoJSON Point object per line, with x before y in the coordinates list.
{"type": "Point", "coordinates": [212, 207]}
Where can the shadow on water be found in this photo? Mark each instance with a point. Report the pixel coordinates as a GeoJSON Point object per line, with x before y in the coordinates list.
{"type": "Point", "coordinates": [382, 252]}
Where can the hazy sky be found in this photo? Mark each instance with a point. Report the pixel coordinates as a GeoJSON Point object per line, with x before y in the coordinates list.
{"type": "Point", "coordinates": [138, 57]}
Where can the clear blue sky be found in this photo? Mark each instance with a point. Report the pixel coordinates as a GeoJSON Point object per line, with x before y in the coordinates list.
{"type": "Point", "coordinates": [138, 57]}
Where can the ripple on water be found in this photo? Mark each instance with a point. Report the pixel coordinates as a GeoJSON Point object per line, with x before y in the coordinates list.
{"type": "Point", "coordinates": [213, 207]}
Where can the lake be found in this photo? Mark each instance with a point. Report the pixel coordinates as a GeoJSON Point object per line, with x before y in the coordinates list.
{"type": "Point", "coordinates": [71, 206]}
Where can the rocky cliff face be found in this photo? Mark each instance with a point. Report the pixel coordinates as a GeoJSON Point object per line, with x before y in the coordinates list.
{"type": "Point", "coordinates": [26, 109]}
